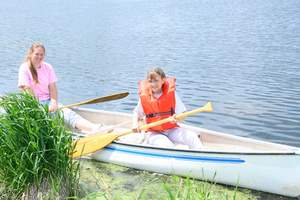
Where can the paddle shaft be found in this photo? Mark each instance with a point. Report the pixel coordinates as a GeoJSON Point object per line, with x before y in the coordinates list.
{"type": "Point", "coordinates": [98, 100]}
{"type": "Point", "coordinates": [181, 116]}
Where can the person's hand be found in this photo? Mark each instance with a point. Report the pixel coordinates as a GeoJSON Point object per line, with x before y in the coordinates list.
{"type": "Point", "coordinates": [177, 120]}
{"type": "Point", "coordinates": [174, 120]}
{"type": "Point", "coordinates": [136, 130]}
{"type": "Point", "coordinates": [53, 105]}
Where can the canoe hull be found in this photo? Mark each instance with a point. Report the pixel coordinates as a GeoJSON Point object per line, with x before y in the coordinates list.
{"type": "Point", "coordinates": [279, 174]}
{"type": "Point", "coordinates": [224, 158]}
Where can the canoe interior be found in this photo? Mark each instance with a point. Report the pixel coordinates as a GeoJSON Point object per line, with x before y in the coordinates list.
{"type": "Point", "coordinates": [212, 141]}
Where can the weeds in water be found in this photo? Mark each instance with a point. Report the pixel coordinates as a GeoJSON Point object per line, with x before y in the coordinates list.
{"type": "Point", "coordinates": [188, 189]}
{"type": "Point", "coordinates": [34, 149]}
{"type": "Point", "coordinates": [110, 182]}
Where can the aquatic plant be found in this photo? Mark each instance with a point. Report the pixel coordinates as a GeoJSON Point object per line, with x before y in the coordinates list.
{"type": "Point", "coordinates": [190, 189]}
{"type": "Point", "coordinates": [34, 149]}
{"type": "Point", "coordinates": [112, 182]}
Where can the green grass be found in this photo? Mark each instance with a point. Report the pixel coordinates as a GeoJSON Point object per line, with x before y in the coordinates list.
{"type": "Point", "coordinates": [189, 189]}
{"type": "Point", "coordinates": [173, 188]}
{"type": "Point", "coordinates": [34, 149]}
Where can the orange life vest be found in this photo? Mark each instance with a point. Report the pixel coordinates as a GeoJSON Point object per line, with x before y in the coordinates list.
{"type": "Point", "coordinates": [161, 108]}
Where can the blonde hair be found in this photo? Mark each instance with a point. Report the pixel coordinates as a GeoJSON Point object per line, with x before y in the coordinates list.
{"type": "Point", "coordinates": [154, 72]}
{"type": "Point", "coordinates": [28, 59]}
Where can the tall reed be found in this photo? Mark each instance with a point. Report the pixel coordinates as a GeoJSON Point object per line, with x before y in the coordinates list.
{"type": "Point", "coordinates": [34, 149]}
{"type": "Point", "coordinates": [189, 189]}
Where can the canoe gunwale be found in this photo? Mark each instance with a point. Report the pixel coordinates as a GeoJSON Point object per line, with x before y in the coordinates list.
{"type": "Point", "coordinates": [204, 151]}
{"type": "Point", "coordinates": [275, 148]}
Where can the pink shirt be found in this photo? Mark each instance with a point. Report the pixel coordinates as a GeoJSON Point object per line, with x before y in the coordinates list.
{"type": "Point", "coordinates": [46, 76]}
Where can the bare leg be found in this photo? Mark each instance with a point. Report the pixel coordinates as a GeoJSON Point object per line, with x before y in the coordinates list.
{"type": "Point", "coordinates": [76, 121]}
{"type": "Point", "coordinates": [85, 126]}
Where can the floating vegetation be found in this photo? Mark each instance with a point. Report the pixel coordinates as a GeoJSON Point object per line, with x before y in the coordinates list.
{"type": "Point", "coordinates": [34, 149]}
{"type": "Point", "coordinates": [113, 182]}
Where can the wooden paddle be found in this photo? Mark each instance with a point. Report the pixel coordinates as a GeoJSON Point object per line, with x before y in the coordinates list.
{"type": "Point", "coordinates": [98, 141]}
{"type": "Point", "coordinates": [92, 137]}
{"type": "Point", "coordinates": [98, 100]}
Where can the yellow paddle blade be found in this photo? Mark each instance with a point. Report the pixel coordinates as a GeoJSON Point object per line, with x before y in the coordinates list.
{"type": "Point", "coordinates": [88, 138]}
{"type": "Point", "coordinates": [95, 142]}
{"type": "Point", "coordinates": [82, 141]}
{"type": "Point", "coordinates": [94, 136]}
{"type": "Point", "coordinates": [93, 145]}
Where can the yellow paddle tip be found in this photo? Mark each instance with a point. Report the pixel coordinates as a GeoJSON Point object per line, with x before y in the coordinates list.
{"type": "Point", "coordinates": [208, 107]}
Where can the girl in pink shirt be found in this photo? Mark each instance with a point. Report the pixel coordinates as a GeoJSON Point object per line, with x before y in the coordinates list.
{"type": "Point", "coordinates": [40, 87]}
{"type": "Point", "coordinates": [38, 77]}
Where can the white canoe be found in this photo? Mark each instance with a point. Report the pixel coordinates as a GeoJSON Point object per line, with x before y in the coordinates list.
{"type": "Point", "coordinates": [224, 158]}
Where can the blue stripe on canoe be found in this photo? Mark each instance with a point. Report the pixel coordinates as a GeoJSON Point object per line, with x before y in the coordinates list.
{"type": "Point", "coordinates": [180, 157]}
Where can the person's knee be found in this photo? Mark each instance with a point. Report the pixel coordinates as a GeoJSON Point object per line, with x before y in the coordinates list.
{"type": "Point", "coordinates": [70, 117]}
{"type": "Point", "coordinates": [160, 140]}
{"type": "Point", "coordinates": [192, 139]}
{"type": "Point", "coordinates": [193, 135]}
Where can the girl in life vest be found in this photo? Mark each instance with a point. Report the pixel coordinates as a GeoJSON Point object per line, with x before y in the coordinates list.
{"type": "Point", "coordinates": [158, 100]}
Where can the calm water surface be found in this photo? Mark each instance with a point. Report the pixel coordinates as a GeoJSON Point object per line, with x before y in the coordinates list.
{"type": "Point", "coordinates": [242, 55]}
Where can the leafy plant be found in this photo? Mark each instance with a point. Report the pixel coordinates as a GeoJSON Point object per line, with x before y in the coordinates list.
{"type": "Point", "coordinates": [34, 150]}
{"type": "Point", "coordinates": [179, 188]}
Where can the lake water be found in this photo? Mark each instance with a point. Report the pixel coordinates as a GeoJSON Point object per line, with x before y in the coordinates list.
{"type": "Point", "coordinates": [244, 56]}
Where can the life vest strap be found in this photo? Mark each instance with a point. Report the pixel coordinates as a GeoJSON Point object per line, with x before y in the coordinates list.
{"type": "Point", "coordinates": [171, 112]}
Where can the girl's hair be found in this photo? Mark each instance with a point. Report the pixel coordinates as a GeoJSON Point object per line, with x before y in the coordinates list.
{"type": "Point", "coordinates": [154, 72]}
{"type": "Point", "coordinates": [28, 59]}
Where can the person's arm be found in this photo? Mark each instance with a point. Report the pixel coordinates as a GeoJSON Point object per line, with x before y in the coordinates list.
{"type": "Point", "coordinates": [52, 89]}
{"type": "Point", "coordinates": [53, 97]}
{"type": "Point", "coordinates": [24, 88]}
{"type": "Point", "coordinates": [179, 107]}
{"type": "Point", "coordinates": [24, 80]}
{"type": "Point", "coordinates": [138, 115]}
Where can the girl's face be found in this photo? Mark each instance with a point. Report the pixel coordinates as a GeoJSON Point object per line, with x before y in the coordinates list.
{"type": "Point", "coordinates": [37, 56]}
{"type": "Point", "coordinates": [156, 83]}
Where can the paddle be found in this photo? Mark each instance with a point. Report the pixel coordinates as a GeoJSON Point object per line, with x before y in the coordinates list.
{"type": "Point", "coordinates": [92, 137]}
{"type": "Point", "coordinates": [99, 99]}
{"type": "Point", "coordinates": [98, 141]}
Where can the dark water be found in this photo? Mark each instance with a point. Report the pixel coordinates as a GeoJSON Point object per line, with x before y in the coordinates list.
{"type": "Point", "coordinates": [242, 55]}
